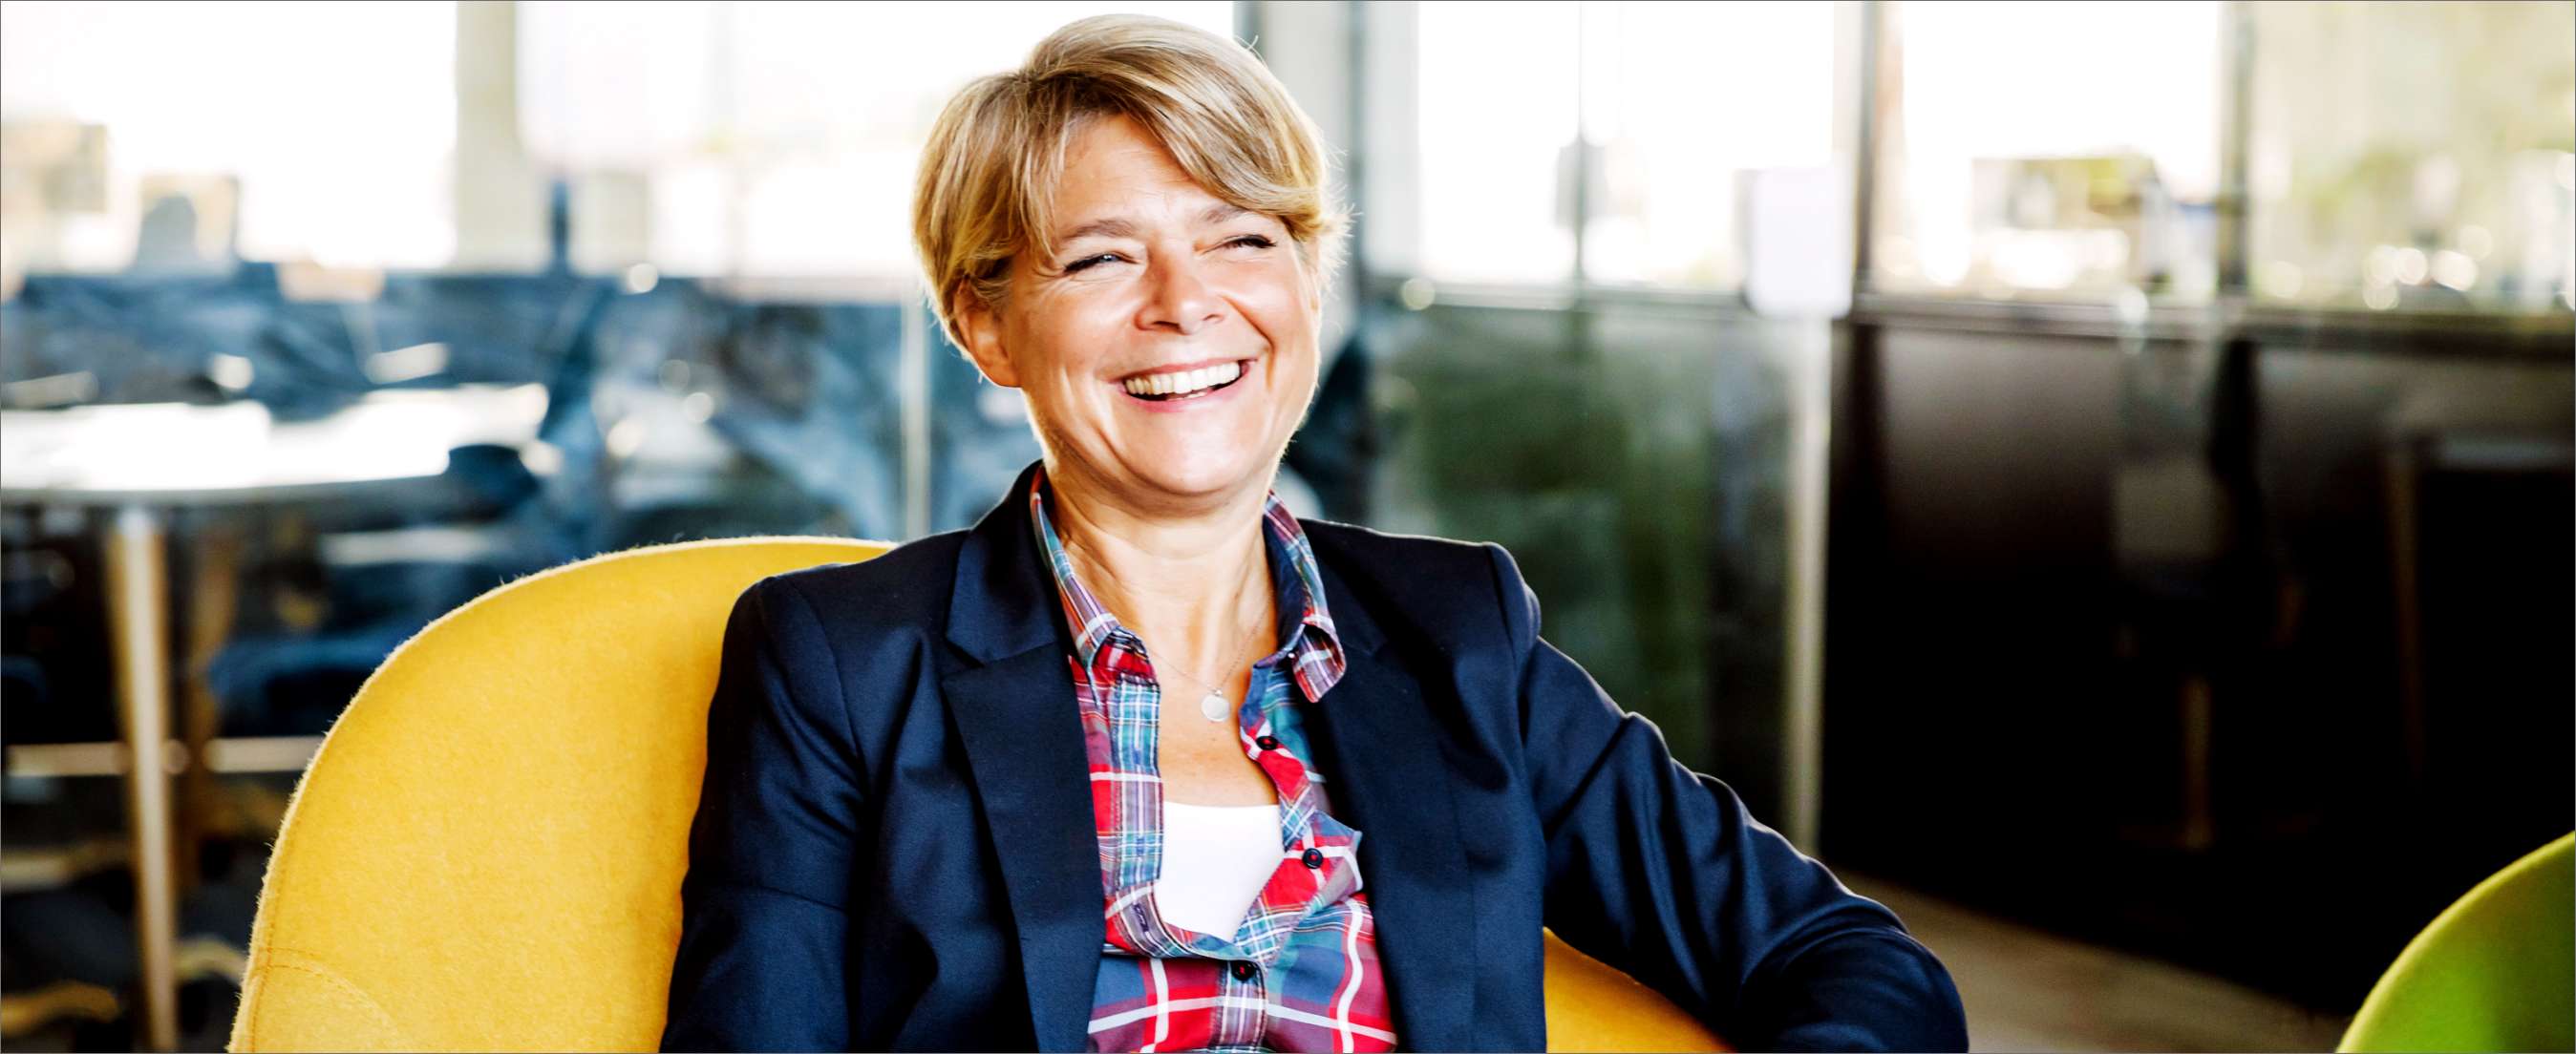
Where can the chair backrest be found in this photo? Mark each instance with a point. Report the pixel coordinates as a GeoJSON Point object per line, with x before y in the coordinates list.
{"type": "Point", "coordinates": [486, 854]}
{"type": "Point", "coordinates": [2495, 971]}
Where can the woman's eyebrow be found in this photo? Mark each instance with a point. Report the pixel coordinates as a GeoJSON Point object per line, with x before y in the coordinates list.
{"type": "Point", "coordinates": [1116, 227]}
{"type": "Point", "coordinates": [1112, 227]}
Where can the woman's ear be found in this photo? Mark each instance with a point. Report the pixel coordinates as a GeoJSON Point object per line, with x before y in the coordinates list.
{"type": "Point", "coordinates": [982, 328]}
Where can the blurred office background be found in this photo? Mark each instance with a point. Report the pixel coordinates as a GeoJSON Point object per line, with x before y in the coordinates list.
{"type": "Point", "coordinates": [2098, 474]}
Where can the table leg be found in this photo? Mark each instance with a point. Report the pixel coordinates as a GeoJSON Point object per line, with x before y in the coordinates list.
{"type": "Point", "coordinates": [138, 619]}
{"type": "Point", "coordinates": [213, 577]}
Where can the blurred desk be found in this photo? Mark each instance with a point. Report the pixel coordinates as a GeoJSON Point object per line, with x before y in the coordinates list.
{"type": "Point", "coordinates": [138, 463]}
{"type": "Point", "coordinates": [171, 454]}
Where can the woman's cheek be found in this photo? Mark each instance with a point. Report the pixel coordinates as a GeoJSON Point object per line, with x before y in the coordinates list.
{"type": "Point", "coordinates": [1073, 330]}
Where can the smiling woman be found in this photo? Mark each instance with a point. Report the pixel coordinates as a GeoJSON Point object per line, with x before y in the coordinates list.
{"type": "Point", "coordinates": [1156, 208]}
{"type": "Point", "coordinates": [1166, 342]}
{"type": "Point", "coordinates": [993, 789]}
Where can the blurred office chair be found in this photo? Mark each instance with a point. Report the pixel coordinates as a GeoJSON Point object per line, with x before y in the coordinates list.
{"type": "Point", "coordinates": [783, 365]}
{"type": "Point", "coordinates": [487, 852]}
{"type": "Point", "coordinates": [127, 338]}
{"type": "Point", "coordinates": [488, 518]}
{"type": "Point", "coordinates": [2495, 971]}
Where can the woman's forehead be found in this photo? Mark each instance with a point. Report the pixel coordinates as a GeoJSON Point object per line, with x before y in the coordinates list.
{"type": "Point", "coordinates": [1116, 173]}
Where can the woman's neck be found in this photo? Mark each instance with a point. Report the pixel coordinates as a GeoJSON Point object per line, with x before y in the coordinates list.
{"type": "Point", "coordinates": [1198, 582]}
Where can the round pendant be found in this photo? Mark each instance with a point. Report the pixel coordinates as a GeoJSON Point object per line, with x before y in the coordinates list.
{"type": "Point", "coordinates": [1212, 705]}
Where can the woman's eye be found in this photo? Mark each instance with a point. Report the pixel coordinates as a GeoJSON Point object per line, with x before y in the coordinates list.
{"type": "Point", "coordinates": [1087, 262]}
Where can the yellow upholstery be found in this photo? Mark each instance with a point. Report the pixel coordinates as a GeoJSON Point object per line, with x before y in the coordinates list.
{"type": "Point", "coordinates": [487, 852]}
{"type": "Point", "coordinates": [1592, 1006]}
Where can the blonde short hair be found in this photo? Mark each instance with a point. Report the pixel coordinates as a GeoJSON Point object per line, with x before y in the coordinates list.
{"type": "Point", "coordinates": [998, 147]}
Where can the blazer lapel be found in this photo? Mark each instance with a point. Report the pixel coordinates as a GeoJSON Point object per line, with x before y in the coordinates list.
{"type": "Point", "coordinates": [1024, 747]}
{"type": "Point", "coordinates": [1384, 770]}
{"type": "Point", "coordinates": [1014, 711]}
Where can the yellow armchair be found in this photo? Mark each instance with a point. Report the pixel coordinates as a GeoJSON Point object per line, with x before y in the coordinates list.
{"type": "Point", "coordinates": [486, 854]}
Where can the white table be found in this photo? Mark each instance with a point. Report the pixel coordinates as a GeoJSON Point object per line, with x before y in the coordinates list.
{"type": "Point", "coordinates": [138, 463]}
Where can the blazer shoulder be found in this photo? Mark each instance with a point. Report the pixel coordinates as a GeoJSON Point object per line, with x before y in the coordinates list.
{"type": "Point", "coordinates": [1365, 545]}
{"type": "Point", "coordinates": [1455, 591]}
{"type": "Point", "coordinates": [907, 587]}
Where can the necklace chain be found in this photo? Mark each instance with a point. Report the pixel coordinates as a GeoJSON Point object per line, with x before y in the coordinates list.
{"type": "Point", "coordinates": [1215, 691]}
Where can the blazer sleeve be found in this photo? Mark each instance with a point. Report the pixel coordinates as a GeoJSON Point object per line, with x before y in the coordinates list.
{"type": "Point", "coordinates": [1660, 871]}
{"type": "Point", "coordinates": [765, 929]}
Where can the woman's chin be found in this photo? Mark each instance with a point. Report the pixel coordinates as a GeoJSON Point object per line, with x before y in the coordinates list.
{"type": "Point", "coordinates": [1201, 475]}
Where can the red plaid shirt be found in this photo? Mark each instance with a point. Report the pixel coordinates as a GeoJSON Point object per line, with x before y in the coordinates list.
{"type": "Point", "coordinates": [1300, 972]}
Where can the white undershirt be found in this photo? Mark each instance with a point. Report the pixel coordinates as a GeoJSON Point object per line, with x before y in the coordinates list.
{"type": "Point", "coordinates": [1216, 858]}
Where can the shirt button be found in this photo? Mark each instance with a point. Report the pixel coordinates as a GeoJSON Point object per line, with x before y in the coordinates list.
{"type": "Point", "coordinates": [1243, 971]}
{"type": "Point", "coordinates": [1267, 742]}
{"type": "Point", "coordinates": [1313, 858]}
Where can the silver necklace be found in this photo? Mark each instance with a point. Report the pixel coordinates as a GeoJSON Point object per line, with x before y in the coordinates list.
{"type": "Point", "coordinates": [1212, 705]}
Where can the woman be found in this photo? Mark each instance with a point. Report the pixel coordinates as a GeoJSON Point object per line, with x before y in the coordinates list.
{"type": "Point", "coordinates": [1141, 762]}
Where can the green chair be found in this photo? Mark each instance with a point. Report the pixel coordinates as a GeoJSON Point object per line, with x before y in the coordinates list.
{"type": "Point", "coordinates": [2495, 971]}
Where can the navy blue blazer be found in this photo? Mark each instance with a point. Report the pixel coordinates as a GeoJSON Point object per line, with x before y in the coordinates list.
{"type": "Point", "coordinates": [894, 847]}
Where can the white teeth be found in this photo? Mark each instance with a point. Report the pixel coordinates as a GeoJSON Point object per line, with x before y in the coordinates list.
{"type": "Point", "coordinates": [1184, 382]}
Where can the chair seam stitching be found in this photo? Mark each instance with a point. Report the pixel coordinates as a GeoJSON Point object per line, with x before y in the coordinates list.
{"type": "Point", "coordinates": [328, 977]}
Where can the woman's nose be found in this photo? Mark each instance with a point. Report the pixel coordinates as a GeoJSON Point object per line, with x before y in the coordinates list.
{"type": "Point", "coordinates": [1179, 297]}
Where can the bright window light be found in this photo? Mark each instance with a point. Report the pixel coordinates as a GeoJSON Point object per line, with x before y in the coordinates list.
{"type": "Point", "coordinates": [336, 119]}
{"type": "Point", "coordinates": [770, 139]}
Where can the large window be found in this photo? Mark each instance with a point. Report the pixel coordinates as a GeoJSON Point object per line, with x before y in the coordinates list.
{"type": "Point", "coordinates": [178, 132]}
{"type": "Point", "coordinates": [1684, 101]}
{"type": "Point", "coordinates": [2386, 174]}
{"type": "Point", "coordinates": [735, 138]}
{"type": "Point", "coordinates": [1634, 121]}
{"type": "Point", "coordinates": [762, 138]}
{"type": "Point", "coordinates": [1496, 131]}
{"type": "Point", "coordinates": [2039, 149]}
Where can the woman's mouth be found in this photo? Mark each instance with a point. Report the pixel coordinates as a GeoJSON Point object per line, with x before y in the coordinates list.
{"type": "Point", "coordinates": [1183, 385]}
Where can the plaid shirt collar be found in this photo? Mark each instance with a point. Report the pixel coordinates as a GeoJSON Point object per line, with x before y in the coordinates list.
{"type": "Point", "coordinates": [1306, 622]}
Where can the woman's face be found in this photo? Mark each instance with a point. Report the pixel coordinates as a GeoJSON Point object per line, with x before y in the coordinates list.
{"type": "Point", "coordinates": [1167, 347]}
